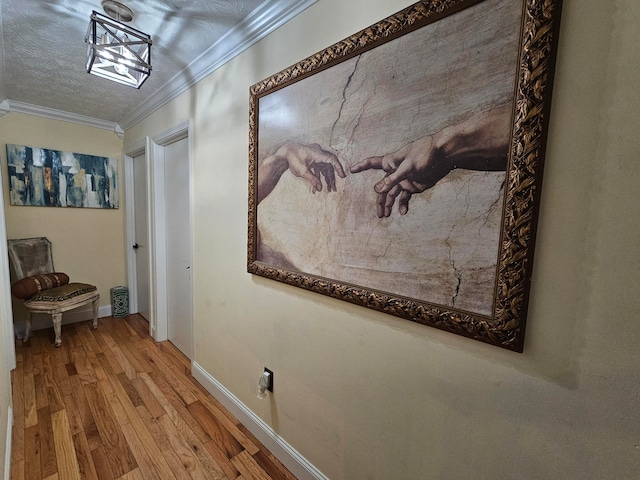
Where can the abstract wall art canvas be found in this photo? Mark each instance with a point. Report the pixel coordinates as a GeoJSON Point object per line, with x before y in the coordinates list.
{"type": "Point", "coordinates": [51, 178]}
{"type": "Point", "coordinates": [399, 169]}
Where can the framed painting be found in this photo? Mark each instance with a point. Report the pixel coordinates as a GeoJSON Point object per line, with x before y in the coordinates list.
{"type": "Point", "coordinates": [45, 177]}
{"type": "Point", "coordinates": [400, 169]}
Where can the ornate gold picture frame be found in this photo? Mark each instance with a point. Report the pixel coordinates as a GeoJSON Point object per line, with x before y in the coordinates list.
{"type": "Point", "coordinates": [400, 168]}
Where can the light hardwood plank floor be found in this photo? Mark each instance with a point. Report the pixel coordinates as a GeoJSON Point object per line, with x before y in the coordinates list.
{"type": "Point", "coordinates": [113, 404]}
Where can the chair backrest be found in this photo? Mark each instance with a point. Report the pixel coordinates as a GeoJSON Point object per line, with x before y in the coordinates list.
{"type": "Point", "coordinates": [30, 256]}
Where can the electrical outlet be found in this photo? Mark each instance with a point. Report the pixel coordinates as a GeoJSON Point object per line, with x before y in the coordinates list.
{"type": "Point", "coordinates": [270, 387]}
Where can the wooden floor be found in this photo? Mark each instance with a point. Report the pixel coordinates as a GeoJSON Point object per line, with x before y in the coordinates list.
{"type": "Point", "coordinates": [113, 404]}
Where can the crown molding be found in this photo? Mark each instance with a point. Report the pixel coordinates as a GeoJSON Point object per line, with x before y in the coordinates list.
{"type": "Point", "coordinates": [29, 109]}
{"type": "Point", "coordinates": [260, 23]}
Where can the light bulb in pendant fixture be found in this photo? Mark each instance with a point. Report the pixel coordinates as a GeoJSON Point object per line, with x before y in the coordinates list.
{"type": "Point", "coordinates": [120, 65]}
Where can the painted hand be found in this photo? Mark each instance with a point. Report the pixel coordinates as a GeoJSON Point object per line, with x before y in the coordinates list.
{"type": "Point", "coordinates": [312, 163]}
{"type": "Point", "coordinates": [414, 168]}
{"type": "Point", "coordinates": [478, 143]}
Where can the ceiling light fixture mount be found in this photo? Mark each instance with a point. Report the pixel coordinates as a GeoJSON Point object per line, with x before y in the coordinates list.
{"type": "Point", "coordinates": [117, 11]}
{"type": "Point", "coordinates": [116, 51]}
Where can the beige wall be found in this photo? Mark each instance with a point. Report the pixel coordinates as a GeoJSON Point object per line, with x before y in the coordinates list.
{"type": "Point", "coordinates": [88, 243]}
{"type": "Point", "coordinates": [363, 395]}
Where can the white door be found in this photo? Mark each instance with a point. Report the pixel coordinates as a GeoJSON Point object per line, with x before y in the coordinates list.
{"type": "Point", "coordinates": [141, 244]}
{"type": "Point", "coordinates": [178, 245]}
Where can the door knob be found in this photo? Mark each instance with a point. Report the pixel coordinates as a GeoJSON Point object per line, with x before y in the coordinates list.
{"type": "Point", "coordinates": [135, 246]}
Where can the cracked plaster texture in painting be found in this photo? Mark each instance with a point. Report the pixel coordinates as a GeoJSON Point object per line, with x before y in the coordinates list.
{"type": "Point", "coordinates": [445, 249]}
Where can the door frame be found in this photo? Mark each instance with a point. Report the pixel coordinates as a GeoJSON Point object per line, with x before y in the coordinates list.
{"type": "Point", "coordinates": [139, 148]}
{"type": "Point", "coordinates": [154, 150]}
{"type": "Point", "coordinates": [6, 308]}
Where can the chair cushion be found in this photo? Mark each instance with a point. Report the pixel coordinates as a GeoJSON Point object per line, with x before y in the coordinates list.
{"type": "Point", "coordinates": [29, 286]}
{"type": "Point", "coordinates": [62, 293]}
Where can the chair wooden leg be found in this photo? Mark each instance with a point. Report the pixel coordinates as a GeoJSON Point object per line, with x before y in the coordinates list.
{"type": "Point", "coordinates": [95, 313]}
{"type": "Point", "coordinates": [57, 327]}
{"type": "Point", "coordinates": [28, 328]}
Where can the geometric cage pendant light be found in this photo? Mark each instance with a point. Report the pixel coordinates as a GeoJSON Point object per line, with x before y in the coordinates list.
{"type": "Point", "coordinates": [115, 51]}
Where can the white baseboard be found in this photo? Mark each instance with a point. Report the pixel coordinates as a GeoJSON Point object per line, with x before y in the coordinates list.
{"type": "Point", "coordinates": [41, 321]}
{"type": "Point", "coordinates": [296, 463]}
{"type": "Point", "coordinates": [7, 453]}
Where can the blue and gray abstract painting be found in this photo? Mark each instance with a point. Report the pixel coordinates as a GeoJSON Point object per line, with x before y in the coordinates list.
{"type": "Point", "coordinates": [51, 178]}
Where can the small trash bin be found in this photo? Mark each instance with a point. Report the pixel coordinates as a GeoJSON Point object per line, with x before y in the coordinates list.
{"type": "Point", "coordinates": [120, 301]}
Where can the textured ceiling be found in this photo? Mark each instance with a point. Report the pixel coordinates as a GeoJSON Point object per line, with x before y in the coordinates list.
{"type": "Point", "coordinates": [45, 52]}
